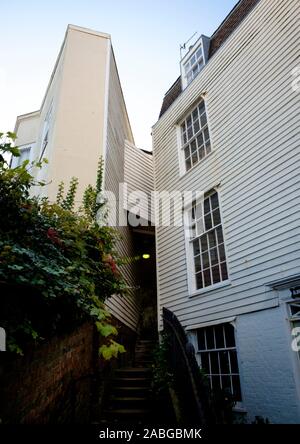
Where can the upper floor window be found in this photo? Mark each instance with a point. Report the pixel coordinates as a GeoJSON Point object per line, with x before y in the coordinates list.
{"type": "Point", "coordinates": [194, 60]}
{"type": "Point", "coordinates": [45, 133]}
{"type": "Point", "coordinates": [207, 242]}
{"type": "Point", "coordinates": [193, 66]}
{"type": "Point", "coordinates": [195, 137]}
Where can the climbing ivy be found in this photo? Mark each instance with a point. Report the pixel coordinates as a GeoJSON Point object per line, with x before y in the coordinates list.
{"type": "Point", "coordinates": [57, 265]}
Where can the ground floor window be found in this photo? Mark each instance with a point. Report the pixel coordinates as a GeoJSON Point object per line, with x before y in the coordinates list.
{"type": "Point", "coordinates": [218, 355]}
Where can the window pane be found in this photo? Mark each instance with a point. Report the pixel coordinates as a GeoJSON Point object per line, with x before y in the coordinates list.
{"type": "Point", "coordinates": [205, 260]}
{"type": "Point", "coordinates": [224, 271]}
{"type": "Point", "coordinates": [233, 361]}
{"type": "Point", "coordinates": [196, 247]}
{"type": "Point", "coordinates": [208, 222]}
{"type": "Point", "coordinates": [214, 201]}
{"type": "Point", "coordinates": [216, 217]}
{"type": "Point", "coordinates": [203, 242]}
{"type": "Point", "coordinates": [212, 239]}
{"type": "Point", "coordinates": [216, 274]}
{"type": "Point", "coordinates": [206, 134]}
{"type": "Point", "coordinates": [210, 341]}
{"type": "Point", "coordinates": [219, 336]}
{"type": "Point", "coordinates": [200, 140]}
{"type": "Point", "coordinates": [189, 121]}
{"type": "Point", "coordinates": [205, 362]}
{"type": "Point", "coordinates": [236, 388]}
{"type": "Point", "coordinates": [201, 339]}
{"type": "Point", "coordinates": [199, 281]}
{"type": "Point", "coordinates": [214, 256]}
{"type": "Point", "coordinates": [190, 133]}
{"type": "Point", "coordinates": [195, 114]}
{"type": "Point", "coordinates": [188, 164]}
{"type": "Point", "coordinates": [201, 108]}
{"type": "Point", "coordinates": [222, 252]}
{"type": "Point", "coordinates": [203, 120]}
{"type": "Point", "coordinates": [224, 361]}
{"type": "Point", "coordinates": [207, 278]}
{"type": "Point", "coordinates": [226, 384]}
{"type": "Point", "coordinates": [216, 384]}
{"type": "Point", "coordinates": [197, 263]}
{"type": "Point", "coordinates": [195, 158]}
{"type": "Point", "coordinates": [229, 335]}
{"type": "Point", "coordinates": [193, 146]}
{"type": "Point", "coordinates": [206, 206]}
{"type": "Point", "coordinates": [220, 235]}
{"type": "Point", "coordinates": [214, 363]}
{"type": "Point", "coordinates": [196, 126]}
{"type": "Point", "coordinates": [199, 53]}
{"type": "Point", "coordinates": [186, 152]}
{"type": "Point", "coordinates": [208, 147]}
{"type": "Point", "coordinates": [184, 138]}
{"type": "Point", "coordinates": [201, 153]}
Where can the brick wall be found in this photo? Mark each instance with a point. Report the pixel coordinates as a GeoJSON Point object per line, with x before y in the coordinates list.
{"type": "Point", "coordinates": [266, 366]}
{"type": "Point", "coordinates": [57, 382]}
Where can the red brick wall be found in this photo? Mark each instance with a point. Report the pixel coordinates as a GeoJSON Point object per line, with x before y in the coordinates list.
{"type": "Point", "coordinates": [51, 383]}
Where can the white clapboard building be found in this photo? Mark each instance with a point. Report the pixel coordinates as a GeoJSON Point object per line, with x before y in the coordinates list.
{"type": "Point", "coordinates": [229, 127]}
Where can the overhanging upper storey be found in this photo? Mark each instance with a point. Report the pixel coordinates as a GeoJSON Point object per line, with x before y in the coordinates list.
{"type": "Point", "coordinates": [194, 60]}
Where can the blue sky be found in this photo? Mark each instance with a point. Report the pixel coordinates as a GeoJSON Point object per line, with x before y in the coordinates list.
{"type": "Point", "coordinates": [146, 36]}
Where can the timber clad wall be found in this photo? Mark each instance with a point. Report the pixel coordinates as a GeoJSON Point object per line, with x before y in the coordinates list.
{"type": "Point", "coordinates": [126, 309]}
{"type": "Point", "coordinates": [254, 126]}
{"type": "Point", "coordinates": [138, 175]}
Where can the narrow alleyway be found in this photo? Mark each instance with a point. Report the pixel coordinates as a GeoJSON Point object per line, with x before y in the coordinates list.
{"type": "Point", "coordinates": [129, 397]}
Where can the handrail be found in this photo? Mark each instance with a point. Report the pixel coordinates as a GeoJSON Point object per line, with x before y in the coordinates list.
{"type": "Point", "coordinates": [193, 395]}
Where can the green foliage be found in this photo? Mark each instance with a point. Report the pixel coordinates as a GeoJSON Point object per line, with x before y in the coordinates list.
{"type": "Point", "coordinates": [111, 350]}
{"type": "Point", "coordinates": [69, 201]}
{"type": "Point", "coordinates": [57, 266]}
{"type": "Point", "coordinates": [162, 377]}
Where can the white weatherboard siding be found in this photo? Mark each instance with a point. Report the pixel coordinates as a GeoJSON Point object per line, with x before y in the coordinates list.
{"type": "Point", "coordinates": [138, 176]}
{"type": "Point", "coordinates": [126, 309]}
{"type": "Point", "coordinates": [254, 126]}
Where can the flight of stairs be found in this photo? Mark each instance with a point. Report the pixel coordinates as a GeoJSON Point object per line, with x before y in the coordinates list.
{"type": "Point", "coordinates": [129, 398]}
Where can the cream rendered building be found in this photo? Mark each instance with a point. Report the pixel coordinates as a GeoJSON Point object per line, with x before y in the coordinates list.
{"type": "Point", "coordinates": [82, 117]}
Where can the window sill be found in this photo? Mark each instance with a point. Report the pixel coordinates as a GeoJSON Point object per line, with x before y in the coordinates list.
{"type": "Point", "coordinates": [239, 408]}
{"type": "Point", "coordinates": [196, 165]}
{"type": "Point", "coordinates": [211, 288]}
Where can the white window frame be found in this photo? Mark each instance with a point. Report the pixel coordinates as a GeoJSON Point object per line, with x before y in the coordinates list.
{"type": "Point", "coordinates": [199, 62]}
{"type": "Point", "coordinates": [218, 350]}
{"type": "Point", "coordinates": [198, 140]}
{"type": "Point", "coordinates": [16, 161]}
{"type": "Point", "coordinates": [191, 273]}
{"type": "Point", "coordinates": [45, 133]}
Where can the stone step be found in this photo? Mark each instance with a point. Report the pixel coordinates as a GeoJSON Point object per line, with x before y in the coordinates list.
{"type": "Point", "coordinates": [137, 382]}
{"type": "Point", "coordinates": [130, 402]}
{"type": "Point", "coordinates": [131, 391]}
{"type": "Point", "coordinates": [127, 414]}
{"type": "Point", "coordinates": [133, 372]}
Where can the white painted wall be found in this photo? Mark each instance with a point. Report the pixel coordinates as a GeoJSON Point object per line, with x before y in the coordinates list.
{"type": "Point", "coordinates": [269, 385]}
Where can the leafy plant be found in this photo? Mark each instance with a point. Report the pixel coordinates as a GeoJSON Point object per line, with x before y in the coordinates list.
{"type": "Point", "coordinates": [57, 265]}
{"type": "Point", "coordinates": [162, 377]}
